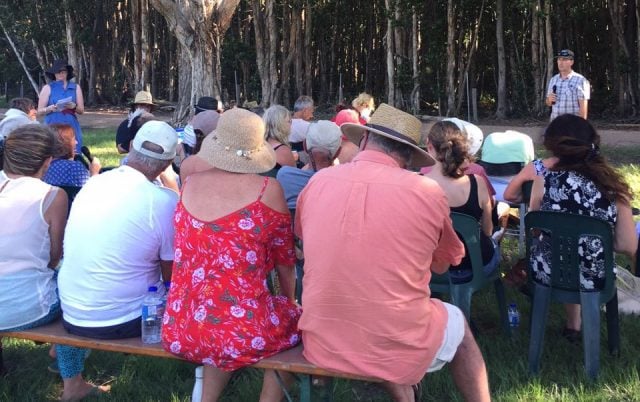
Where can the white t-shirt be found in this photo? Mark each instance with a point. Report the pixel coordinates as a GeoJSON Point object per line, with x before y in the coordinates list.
{"type": "Point", "coordinates": [119, 228]}
{"type": "Point", "coordinates": [299, 130]}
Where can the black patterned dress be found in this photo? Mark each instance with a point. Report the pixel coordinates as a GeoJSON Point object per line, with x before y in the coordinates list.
{"type": "Point", "coordinates": [568, 191]}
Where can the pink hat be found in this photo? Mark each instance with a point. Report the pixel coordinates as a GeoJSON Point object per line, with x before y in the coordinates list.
{"type": "Point", "coordinates": [347, 116]}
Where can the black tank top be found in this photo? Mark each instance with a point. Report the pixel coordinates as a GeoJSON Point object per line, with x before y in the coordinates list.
{"type": "Point", "coordinates": [472, 206]}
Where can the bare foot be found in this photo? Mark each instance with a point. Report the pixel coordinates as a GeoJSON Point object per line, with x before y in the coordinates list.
{"type": "Point", "coordinates": [76, 390]}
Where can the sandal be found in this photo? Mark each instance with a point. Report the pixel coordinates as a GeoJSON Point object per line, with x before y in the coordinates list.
{"type": "Point", "coordinates": [53, 367]}
{"type": "Point", "coordinates": [571, 335]}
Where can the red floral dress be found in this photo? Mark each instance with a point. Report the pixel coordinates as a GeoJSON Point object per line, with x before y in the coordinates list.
{"type": "Point", "coordinates": [219, 310]}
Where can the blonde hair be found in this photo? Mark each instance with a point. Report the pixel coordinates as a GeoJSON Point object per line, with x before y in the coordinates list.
{"type": "Point", "coordinates": [364, 100]}
{"type": "Point", "coordinates": [276, 121]}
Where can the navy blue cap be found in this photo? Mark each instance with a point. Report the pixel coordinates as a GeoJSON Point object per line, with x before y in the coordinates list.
{"type": "Point", "coordinates": [566, 53]}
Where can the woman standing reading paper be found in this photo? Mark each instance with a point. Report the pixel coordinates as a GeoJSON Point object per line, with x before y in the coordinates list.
{"type": "Point", "coordinates": [61, 100]}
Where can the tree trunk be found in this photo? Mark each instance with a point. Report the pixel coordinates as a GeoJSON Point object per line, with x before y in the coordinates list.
{"type": "Point", "coordinates": [24, 67]}
{"type": "Point", "coordinates": [415, 40]}
{"type": "Point", "coordinates": [298, 66]}
{"type": "Point", "coordinates": [273, 51]}
{"type": "Point", "coordinates": [501, 112]}
{"type": "Point", "coordinates": [266, 49]}
{"type": "Point", "coordinates": [548, 39]}
{"type": "Point", "coordinates": [391, 85]}
{"type": "Point", "coordinates": [451, 58]}
{"type": "Point", "coordinates": [468, 58]}
{"type": "Point", "coordinates": [308, 65]}
{"type": "Point", "coordinates": [616, 12]}
{"type": "Point", "coordinates": [199, 26]}
{"type": "Point", "coordinates": [538, 85]}
{"type": "Point", "coordinates": [72, 51]}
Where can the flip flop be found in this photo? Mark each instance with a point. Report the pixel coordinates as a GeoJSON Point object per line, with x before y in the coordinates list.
{"type": "Point", "coordinates": [53, 367]}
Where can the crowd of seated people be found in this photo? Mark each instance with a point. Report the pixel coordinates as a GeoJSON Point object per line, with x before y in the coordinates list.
{"type": "Point", "coordinates": [226, 225]}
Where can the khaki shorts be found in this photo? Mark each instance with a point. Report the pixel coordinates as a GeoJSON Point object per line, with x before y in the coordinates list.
{"type": "Point", "coordinates": [453, 334]}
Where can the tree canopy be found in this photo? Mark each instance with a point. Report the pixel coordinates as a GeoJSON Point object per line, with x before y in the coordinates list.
{"type": "Point", "coordinates": [421, 55]}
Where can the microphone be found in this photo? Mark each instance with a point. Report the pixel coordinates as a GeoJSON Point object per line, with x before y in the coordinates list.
{"type": "Point", "coordinates": [85, 151]}
{"type": "Point", "coordinates": [554, 92]}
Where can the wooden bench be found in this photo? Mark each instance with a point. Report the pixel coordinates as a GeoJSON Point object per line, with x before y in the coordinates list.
{"type": "Point", "coordinates": [290, 360]}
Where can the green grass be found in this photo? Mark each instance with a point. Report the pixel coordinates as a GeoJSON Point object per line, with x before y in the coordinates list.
{"type": "Point", "coordinates": [562, 378]}
{"type": "Point", "coordinates": [102, 143]}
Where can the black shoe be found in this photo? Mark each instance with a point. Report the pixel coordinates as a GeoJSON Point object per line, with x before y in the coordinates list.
{"type": "Point", "coordinates": [571, 335]}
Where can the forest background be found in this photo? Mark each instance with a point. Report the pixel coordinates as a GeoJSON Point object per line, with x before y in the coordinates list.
{"type": "Point", "coordinates": [427, 56]}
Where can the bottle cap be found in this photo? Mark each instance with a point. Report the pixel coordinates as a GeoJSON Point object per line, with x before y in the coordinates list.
{"type": "Point", "coordinates": [153, 288]}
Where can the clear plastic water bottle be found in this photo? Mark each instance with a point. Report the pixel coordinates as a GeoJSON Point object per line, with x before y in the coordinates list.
{"type": "Point", "coordinates": [514, 316]}
{"type": "Point", "coordinates": [152, 312]}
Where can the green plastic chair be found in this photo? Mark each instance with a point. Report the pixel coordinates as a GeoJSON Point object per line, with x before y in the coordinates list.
{"type": "Point", "coordinates": [469, 229]}
{"type": "Point", "coordinates": [564, 285]}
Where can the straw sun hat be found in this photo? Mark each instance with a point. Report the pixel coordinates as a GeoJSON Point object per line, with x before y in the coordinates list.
{"type": "Point", "coordinates": [394, 124]}
{"type": "Point", "coordinates": [238, 145]}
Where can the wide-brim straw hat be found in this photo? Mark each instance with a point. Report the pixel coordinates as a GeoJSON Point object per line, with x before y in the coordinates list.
{"type": "Point", "coordinates": [238, 145]}
{"type": "Point", "coordinates": [57, 66]}
{"type": "Point", "coordinates": [394, 124]}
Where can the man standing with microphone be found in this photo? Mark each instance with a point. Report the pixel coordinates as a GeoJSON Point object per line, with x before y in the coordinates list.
{"type": "Point", "coordinates": [568, 91]}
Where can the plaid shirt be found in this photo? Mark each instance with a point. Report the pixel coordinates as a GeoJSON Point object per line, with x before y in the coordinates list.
{"type": "Point", "coordinates": [568, 92]}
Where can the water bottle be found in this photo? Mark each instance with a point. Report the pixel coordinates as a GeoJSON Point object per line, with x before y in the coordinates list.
{"type": "Point", "coordinates": [196, 395]}
{"type": "Point", "coordinates": [514, 316]}
{"type": "Point", "coordinates": [152, 311]}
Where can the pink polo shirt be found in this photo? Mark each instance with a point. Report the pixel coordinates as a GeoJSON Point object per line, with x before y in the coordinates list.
{"type": "Point", "coordinates": [371, 231]}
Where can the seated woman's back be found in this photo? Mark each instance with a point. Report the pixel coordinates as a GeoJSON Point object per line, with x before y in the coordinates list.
{"type": "Point", "coordinates": [232, 229]}
{"type": "Point", "coordinates": [213, 194]}
{"type": "Point", "coordinates": [581, 182]}
{"type": "Point", "coordinates": [466, 194]}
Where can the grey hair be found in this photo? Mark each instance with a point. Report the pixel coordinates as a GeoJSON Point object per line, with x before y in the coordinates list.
{"type": "Point", "coordinates": [302, 103]}
{"type": "Point", "coordinates": [151, 166]}
{"type": "Point", "coordinates": [390, 146]}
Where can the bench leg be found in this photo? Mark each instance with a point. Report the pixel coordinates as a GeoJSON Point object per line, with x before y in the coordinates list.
{"type": "Point", "coordinates": [305, 388]}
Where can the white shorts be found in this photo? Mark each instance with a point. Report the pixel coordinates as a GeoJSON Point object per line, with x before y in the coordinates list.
{"type": "Point", "coordinates": [453, 334]}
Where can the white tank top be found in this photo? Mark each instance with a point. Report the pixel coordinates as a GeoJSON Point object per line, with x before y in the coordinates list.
{"type": "Point", "coordinates": [27, 284]}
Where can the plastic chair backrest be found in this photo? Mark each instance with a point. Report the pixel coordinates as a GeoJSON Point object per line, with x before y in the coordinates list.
{"type": "Point", "coordinates": [565, 230]}
{"type": "Point", "coordinates": [501, 169]}
{"type": "Point", "coordinates": [468, 229]}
